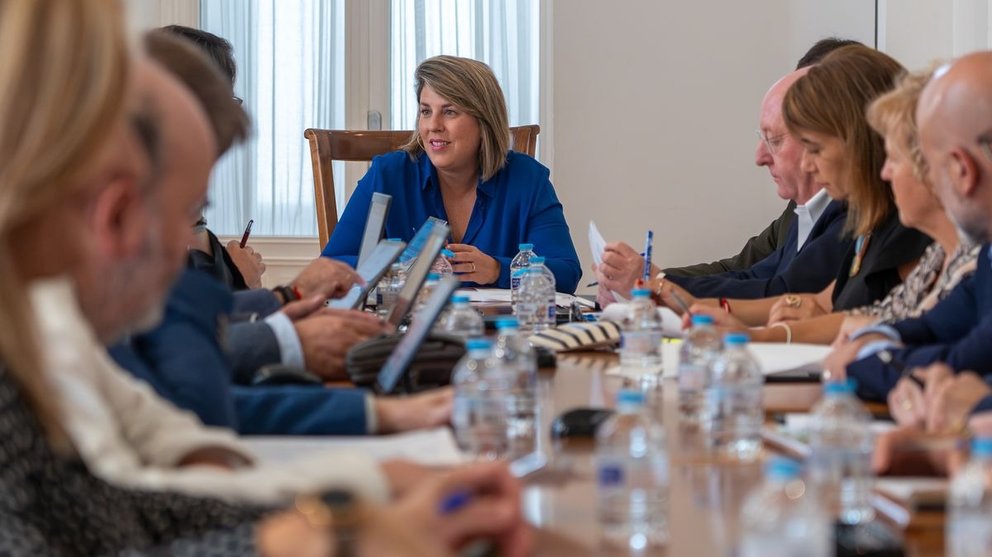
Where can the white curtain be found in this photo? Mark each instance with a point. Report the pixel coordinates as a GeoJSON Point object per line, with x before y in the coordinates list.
{"type": "Point", "coordinates": [502, 33]}
{"type": "Point", "coordinates": [291, 76]}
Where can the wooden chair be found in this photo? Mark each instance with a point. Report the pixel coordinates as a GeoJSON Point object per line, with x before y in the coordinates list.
{"type": "Point", "coordinates": [327, 146]}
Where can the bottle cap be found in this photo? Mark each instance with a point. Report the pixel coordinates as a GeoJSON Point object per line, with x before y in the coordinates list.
{"type": "Point", "coordinates": [393, 240]}
{"type": "Point", "coordinates": [630, 397]}
{"type": "Point", "coordinates": [846, 387]}
{"type": "Point", "coordinates": [698, 320]}
{"type": "Point", "coordinates": [507, 323]}
{"type": "Point", "coordinates": [537, 259]}
{"type": "Point", "coordinates": [433, 276]}
{"type": "Point", "coordinates": [640, 293]}
{"type": "Point", "coordinates": [781, 468]}
{"type": "Point", "coordinates": [459, 299]}
{"type": "Point", "coordinates": [525, 247]}
{"type": "Point", "coordinates": [447, 253]}
{"type": "Point", "coordinates": [736, 339]}
{"type": "Point", "coordinates": [981, 446]}
{"type": "Point", "coordinates": [478, 344]}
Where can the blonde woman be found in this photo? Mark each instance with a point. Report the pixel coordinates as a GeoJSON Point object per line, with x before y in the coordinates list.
{"type": "Point", "coordinates": [458, 166]}
{"type": "Point", "coordinates": [69, 155]}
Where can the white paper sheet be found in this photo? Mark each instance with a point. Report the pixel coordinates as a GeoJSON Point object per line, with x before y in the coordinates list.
{"type": "Point", "coordinates": [774, 357]}
{"type": "Point", "coordinates": [598, 245]}
{"type": "Point", "coordinates": [671, 322]}
{"type": "Point", "coordinates": [434, 447]}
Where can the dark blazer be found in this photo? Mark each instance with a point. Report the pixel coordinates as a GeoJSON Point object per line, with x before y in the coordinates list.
{"type": "Point", "coordinates": [754, 250]}
{"type": "Point", "coordinates": [184, 361]}
{"type": "Point", "coordinates": [891, 246]}
{"type": "Point", "coordinates": [956, 331]}
{"type": "Point", "coordinates": [785, 270]}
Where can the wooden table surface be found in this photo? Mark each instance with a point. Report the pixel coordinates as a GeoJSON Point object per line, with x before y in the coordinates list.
{"type": "Point", "coordinates": [705, 496]}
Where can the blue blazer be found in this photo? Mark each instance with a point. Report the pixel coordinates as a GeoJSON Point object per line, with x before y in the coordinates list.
{"type": "Point", "coordinates": [785, 270]}
{"type": "Point", "coordinates": [956, 331]}
{"type": "Point", "coordinates": [184, 361]}
{"type": "Point", "coordinates": [517, 205]}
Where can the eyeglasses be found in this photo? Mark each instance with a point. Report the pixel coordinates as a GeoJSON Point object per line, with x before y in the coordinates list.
{"type": "Point", "coordinates": [238, 100]}
{"type": "Point", "coordinates": [773, 143]}
{"type": "Point", "coordinates": [986, 142]}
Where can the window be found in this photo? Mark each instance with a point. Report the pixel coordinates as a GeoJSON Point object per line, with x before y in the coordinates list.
{"type": "Point", "coordinates": [291, 73]}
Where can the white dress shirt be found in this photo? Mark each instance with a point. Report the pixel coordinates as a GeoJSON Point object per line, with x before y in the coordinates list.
{"type": "Point", "coordinates": [129, 436]}
{"type": "Point", "coordinates": [808, 214]}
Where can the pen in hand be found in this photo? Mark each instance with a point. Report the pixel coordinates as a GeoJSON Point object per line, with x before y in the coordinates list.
{"type": "Point", "coordinates": [244, 237]}
{"type": "Point", "coordinates": [905, 372]}
{"type": "Point", "coordinates": [648, 246]}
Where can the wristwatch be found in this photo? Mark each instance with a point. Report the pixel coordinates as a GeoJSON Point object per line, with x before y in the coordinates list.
{"type": "Point", "coordinates": [339, 511]}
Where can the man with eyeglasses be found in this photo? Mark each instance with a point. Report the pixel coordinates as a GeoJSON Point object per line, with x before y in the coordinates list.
{"type": "Point", "coordinates": [809, 256]}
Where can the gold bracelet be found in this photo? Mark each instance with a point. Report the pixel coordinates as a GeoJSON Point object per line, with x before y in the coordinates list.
{"type": "Point", "coordinates": [788, 330]}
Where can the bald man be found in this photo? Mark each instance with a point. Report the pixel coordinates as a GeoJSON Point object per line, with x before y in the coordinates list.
{"type": "Point", "coordinates": [955, 126]}
{"type": "Point", "coordinates": [812, 252]}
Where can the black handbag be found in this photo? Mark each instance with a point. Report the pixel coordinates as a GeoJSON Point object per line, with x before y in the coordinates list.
{"type": "Point", "coordinates": [431, 366]}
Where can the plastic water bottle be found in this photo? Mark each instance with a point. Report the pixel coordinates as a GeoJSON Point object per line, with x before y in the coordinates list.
{"type": "Point", "coordinates": [632, 475]}
{"type": "Point", "coordinates": [734, 413]}
{"type": "Point", "coordinates": [640, 348]}
{"type": "Point", "coordinates": [519, 360]}
{"type": "Point", "coordinates": [699, 348]}
{"type": "Point", "coordinates": [969, 521]}
{"type": "Point", "coordinates": [478, 414]}
{"type": "Point", "coordinates": [537, 262]}
{"type": "Point", "coordinates": [430, 283]}
{"type": "Point", "coordinates": [783, 518]}
{"type": "Point", "coordinates": [520, 262]}
{"type": "Point", "coordinates": [390, 287]}
{"type": "Point", "coordinates": [442, 266]}
{"type": "Point", "coordinates": [531, 308]}
{"type": "Point", "coordinates": [840, 454]}
{"type": "Point", "coordinates": [462, 320]}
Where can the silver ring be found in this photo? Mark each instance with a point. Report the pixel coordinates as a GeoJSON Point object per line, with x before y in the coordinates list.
{"type": "Point", "coordinates": [473, 267]}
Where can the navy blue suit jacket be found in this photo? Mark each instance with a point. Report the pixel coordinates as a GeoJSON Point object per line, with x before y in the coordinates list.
{"type": "Point", "coordinates": [785, 270]}
{"type": "Point", "coordinates": [184, 361]}
{"type": "Point", "coordinates": [958, 331]}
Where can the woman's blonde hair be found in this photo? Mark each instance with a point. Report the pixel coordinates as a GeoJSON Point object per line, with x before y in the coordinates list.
{"type": "Point", "coordinates": [831, 99]}
{"type": "Point", "coordinates": [63, 82]}
{"type": "Point", "coordinates": [893, 115]}
{"type": "Point", "coordinates": [471, 86]}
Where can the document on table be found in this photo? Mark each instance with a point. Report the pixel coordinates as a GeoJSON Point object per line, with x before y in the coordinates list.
{"type": "Point", "coordinates": [433, 447]}
{"type": "Point", "coordinates": [774, 358]}
{"type": "Point", "coordinates": [598, 245]}
{"type": "Point", "coordinates": [503, 296]}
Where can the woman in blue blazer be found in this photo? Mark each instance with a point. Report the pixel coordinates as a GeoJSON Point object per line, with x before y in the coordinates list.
{"type": "Point", "coordinates": [458, 167]}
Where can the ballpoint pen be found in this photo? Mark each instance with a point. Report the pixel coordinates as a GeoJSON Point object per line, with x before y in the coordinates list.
{"type": "Point", "coordinates": [244, 237]}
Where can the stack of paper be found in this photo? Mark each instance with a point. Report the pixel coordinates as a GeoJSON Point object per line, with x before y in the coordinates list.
{"type": "Point", "coordinates": [502, 296]}
{"type": "Point", "coordinates": [435, 447]}
{"type": "Point", "coordinates": [598, 245]}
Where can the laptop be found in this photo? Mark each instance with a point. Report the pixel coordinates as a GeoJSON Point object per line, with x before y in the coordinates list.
{"type": "Point", "coordinates": [416, 244]}
{"type": "Point", "coordinates": [432, 245]}
{"type": "Point", "coordinates": [374, 225]}
{"type": "Point", "coordinates": [371, 270]}
{"type": "Point", "coordinates": [395, 368]}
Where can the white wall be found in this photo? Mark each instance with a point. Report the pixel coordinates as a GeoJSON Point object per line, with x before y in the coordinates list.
{"type": "Point", "coordinates": [654, 110]}
{"type": "Point", "coordinates": [917, 32]}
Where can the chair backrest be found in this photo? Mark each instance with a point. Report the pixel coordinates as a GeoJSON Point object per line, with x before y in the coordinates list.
{"type": "Point", "coordinates": [327, 146]}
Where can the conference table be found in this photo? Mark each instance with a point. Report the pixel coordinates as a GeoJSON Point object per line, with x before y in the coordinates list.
{"type": "Point", "coordinates": [705, 494]}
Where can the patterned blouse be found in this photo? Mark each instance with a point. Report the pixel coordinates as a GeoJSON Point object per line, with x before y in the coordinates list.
{"type": "Point", "coordinates": [50, 505]}
{"type": "Point", "coordinates": [925, 285]}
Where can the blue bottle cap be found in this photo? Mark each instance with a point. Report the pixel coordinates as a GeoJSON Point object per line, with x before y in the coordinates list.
{"type": "Point", "coordinates": [459, 299]}
{"type": "Point", "coordinates": [698, 320]}
{"type": "Point", "coordinates": [640, 293]}
{"type": "Point", "coordinates": [393, 240]}
{"type": "Point", "coordinates": [447, 253]}
{"type": "Point", "coordinates": [981, 446]}
{"type": "Point", "coordinates": [736, 339]}
{"type": "Point", "coordinates": [478, 344]}
{"type": "Point", "coordinates": [525, 247]}
{"type": "Point", "coordinates": [507, 323]}
{"type": "Point", "coordinates": [781, 468]}
{"type": "Point", "coordinates": [433, 276]}
{"type": "Point", "coordinates": [630, 397]}
{"type": "Point", "coordinates": [537, 259]}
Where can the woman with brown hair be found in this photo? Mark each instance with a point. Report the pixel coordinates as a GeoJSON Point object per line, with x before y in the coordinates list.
{"type": "Point", "coordinates": [458, 166]}
{"type": "Point", "coordinates": [825, 109]}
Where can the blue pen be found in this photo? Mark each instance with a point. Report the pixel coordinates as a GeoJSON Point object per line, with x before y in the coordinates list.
{"type": "Point", "coordinates": [648, 246]}
{"type": "Point", "coordinates": [454, 501]}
